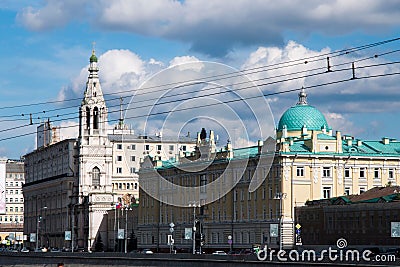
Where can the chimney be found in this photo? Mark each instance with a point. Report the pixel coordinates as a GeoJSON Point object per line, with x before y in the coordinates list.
{"type": "Point", "coordinates": [385, 140]}
{"type": "Point", "coordinates": [260, 144]}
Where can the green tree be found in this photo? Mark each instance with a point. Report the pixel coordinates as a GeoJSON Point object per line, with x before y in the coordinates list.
{"type": "Point", "coordinates": [132, 244]}
{"type": "Point", "coordinates": [99, 246]}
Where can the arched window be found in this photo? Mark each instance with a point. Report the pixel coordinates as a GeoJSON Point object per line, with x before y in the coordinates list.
{"type": "Point", "coordinates": [95, 176]}
{"type": "Point", "coordinates": [96, 118]}
{"type": "Point", "coordinates": [87, 117]}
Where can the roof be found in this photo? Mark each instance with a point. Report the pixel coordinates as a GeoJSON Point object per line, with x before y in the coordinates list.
{"type": "Point", "coordinates": [374, 195]}
{"type": "Point", "coordinates": [238, 153]}
{"type": "Point", "coordinates": [154, 138]}
{"type": "Point", "coordinates": [302, 115]}
{"type": "Point", "coordinates": [15, 167]}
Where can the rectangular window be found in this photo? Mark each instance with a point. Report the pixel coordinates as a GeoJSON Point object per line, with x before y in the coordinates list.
{"type": "Point", "coordinates": [119, 158]}
{"type": "Point", "coordinates": [183, 148]}
{"type": "Point", "coordinates": [362, 190]}
{"type": "Point", "coordinates": [171, 147]}
{"type": "Point", "coordinates": [326, 191]}
{"type": "Point", "coordinates": [159, 147]}
{"type": "Point", "coordinates": [119, 170]}
{"type": "Point", "coordinates": [146, 147]}
{"type": "Point", "coordinates": [347, 173]}
{"type": "Point", "coordinates": [347, 191]}
{"type": "Point", "coordinates": [133, 158]}
{"type": "Point", "coordinates": [203, 183]}
{"type": "Point", "coordinates": [362, 172]}
{"type": "Point", "coordinates": [376, 173]}
{"type": "Point", "coordinates": [119, 146]}
{"type": "Point", "coordinates": [133, 147]}
{"type": "Point", "coordinates": [300, 171]}
{"type": "Point", "coordinates": [133, 170]}
{"type": "Point", "coordinates": [235, 195]}
{"type": "Point", "coordinates": [326, 172]}
{"type": "Point", "coordinates": [391, 174]}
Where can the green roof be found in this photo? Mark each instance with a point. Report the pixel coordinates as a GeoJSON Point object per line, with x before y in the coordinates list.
{"type": "Point", "coordinates": [302, 115]}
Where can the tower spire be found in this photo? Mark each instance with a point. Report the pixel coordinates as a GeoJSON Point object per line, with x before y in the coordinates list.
{"type": "Point", "coordinates": [302, 97]}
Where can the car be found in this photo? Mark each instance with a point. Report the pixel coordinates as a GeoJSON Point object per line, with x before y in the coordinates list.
{"type": "Point", "coordinates": [40, 250]}
{"type": "Point", "coordinates": [55, 250]}
{"type": "Point", "coordinates": [25, 250]}
{"type": "Point", "coordinates": [147, 251]}
{"type": "Point", "coordinates": [219, 252]}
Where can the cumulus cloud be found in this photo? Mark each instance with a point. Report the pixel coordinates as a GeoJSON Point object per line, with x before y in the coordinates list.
{"type": "Point", "coordinates": [216, 27]}
{"type": "Point", "coordinates": [271, 68]}
{"type": "Point", "coordinates": [52, 15]}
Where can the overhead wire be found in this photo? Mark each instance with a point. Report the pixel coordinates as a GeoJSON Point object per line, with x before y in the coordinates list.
{"type": "Point", "coordinates": [230, 101]}
{"type": "Point", "coordinates": [143, 93]}
{"type": "Point", "coordinates": [237, 89]}
{"type": "Point", "coordinates": [304, 60]}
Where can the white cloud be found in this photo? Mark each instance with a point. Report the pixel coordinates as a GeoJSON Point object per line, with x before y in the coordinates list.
{"type": "Point", "coordinates": [215, 27]}
{"type": "Point", "coordinates": [68, 129]}
{"type": "Point", "coordinates": [52, 15]}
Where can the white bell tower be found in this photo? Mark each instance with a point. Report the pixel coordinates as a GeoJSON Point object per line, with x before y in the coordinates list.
{"type": "Point", "coordinates": [95, 155]}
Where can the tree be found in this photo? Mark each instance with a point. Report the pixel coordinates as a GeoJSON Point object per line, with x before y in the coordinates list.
{"type": "Point", "coordinates": [132, 245]}
{"type": "Point", "coordinates": [99, 246]}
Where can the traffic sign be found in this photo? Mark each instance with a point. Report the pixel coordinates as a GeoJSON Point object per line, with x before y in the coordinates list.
{"type": "Point", "coordinates": [395, 229]}
{"type": "Point", "coordinates": [172, 225]}
{"type": "Point", "coordinates": [121, 233]}
{"type": "Point", "coordinates": [171, 230]}
{"type": "Point", "coordinates": [68, 235]}
{"type": "Point", "coordinates": [273, 230]}
{"type": "Point", "coordinates": [298, 226]}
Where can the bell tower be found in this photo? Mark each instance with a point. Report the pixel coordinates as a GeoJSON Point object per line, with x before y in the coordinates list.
{"type": "Point", "coordinates": [95, 157]}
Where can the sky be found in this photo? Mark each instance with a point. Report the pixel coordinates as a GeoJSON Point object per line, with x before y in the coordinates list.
{"type": "Point", "coordinates": [46, 45]}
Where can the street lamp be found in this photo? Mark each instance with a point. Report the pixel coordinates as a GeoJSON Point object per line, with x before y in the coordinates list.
{"type": "Point", "coordinates": [194, 205]}
{"type": "Point", "coordinates": [38, 227]}
{"type": "Point", "coordinates": [280, 196]}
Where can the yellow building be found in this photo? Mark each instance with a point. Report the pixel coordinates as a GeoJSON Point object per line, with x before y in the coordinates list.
{"type": "Point", "coordinates": [308, 161]}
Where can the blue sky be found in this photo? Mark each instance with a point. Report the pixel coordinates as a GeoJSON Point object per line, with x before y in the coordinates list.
{"type": "Point", "coordinates": [45, 47]}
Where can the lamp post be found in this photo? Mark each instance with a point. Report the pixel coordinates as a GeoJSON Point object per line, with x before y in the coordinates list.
{"type": "Point", "coordinates": [193, 204]}
{"type": "Point", "coordinates": [38, 228]}
{"type": "Point", "coordinates": [126, 229]}
{"type": "Point", "coordinates": [280, 196]}
{"type": "Point", "coordinates": [15, 232]}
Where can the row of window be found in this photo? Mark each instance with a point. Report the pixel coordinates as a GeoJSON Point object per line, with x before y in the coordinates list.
{"type": "Point", "coordinates": [11, 218]}
{"type": "Point", "coordinates": [327, 172]}
{"type": "Point", "coordinates": [147, 147]}
{"type": "Point", "coordinates": [15, 175]}
{"type": "Point", "coordinates": [327, 191]}
{"type": "Point", "coordinates": [11, 191]}
{"type": "Point", "coordinates": [126, 186]}
{"type": "Point", "coordinates": [16, 184]}
{"type": "Point", "coordinates": [14, 209]}
{"type": "Point", "coordinates": [131, 169]}
{"type": "Point", "coordinates": [16, 200]}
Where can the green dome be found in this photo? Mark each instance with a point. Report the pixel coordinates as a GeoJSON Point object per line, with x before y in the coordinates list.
{"type": "Point", "coordinates": [301, 115]}
{"type": "Point", "coordinates": [297, 116]}
{"type": "Point", "coordinates": [93, 58]}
